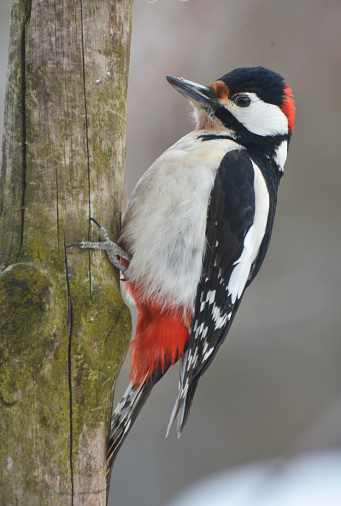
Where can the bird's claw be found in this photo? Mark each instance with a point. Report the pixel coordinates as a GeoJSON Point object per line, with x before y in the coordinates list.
{"type": "Point", "coordinates": [113, 251]}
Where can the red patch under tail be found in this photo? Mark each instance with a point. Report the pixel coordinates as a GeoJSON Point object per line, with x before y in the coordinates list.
{"type": "Point", "coordinates": [161, 338]}
{"type": "Point", "coordinates": [161, 335]}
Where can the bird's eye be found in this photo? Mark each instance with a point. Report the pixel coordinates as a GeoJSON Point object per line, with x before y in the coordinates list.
{"type": "Point", "coordinates": [242, 100]}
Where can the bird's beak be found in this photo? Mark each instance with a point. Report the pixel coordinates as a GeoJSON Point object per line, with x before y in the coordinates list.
{"type": "Point", "coordinates": [193, 91]}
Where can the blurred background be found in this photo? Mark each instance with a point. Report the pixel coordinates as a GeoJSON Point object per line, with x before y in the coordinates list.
{"type": "Point", "coordinates": [274, 388]}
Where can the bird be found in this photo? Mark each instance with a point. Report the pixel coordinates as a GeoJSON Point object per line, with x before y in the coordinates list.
{"type": "Point", "coordinates": [196, 231]}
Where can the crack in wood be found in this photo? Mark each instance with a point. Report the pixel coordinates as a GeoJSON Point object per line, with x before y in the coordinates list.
{"type": "Point", "coordinates": [87, 140]}
{"type": "Point", "coordinates": [57, 210]}
{"type": "Point", "coordinates": [23, 133]}
{"type": "Point", "coordinates": [23, 119]}
{"type": "Point", "coordinates": [70, 312]}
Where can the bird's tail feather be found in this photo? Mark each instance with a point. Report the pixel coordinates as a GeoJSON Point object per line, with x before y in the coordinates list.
{"type": "Point", "coordinates": [123, 418]}
{"type": "Point", "coordinates": [184, 400]}
{"type": "Point", "coordinates": [182, 408]}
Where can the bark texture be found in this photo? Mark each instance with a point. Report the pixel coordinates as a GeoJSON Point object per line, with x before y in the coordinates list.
{"type": "Point", "coordinates": [64, 329]}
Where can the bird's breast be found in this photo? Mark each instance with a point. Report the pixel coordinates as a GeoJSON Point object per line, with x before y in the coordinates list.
{"type": "Point", "coordinates": [165, 223]}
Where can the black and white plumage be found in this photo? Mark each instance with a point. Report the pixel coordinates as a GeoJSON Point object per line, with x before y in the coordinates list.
{"type": "Point", "coordinates": [240, 216]}
{"type": "Point", "coordinates": [229, 265]}
{"type": "Point", "coordinates": [196, 232]}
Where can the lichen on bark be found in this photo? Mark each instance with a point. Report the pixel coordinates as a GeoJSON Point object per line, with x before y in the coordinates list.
{"type": "Point", "coordinates": [64, 327]}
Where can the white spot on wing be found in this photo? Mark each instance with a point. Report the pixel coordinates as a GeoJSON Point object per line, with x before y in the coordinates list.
{"type": "Point", "coordinates": [204, 333]}
{"type": "Point", "coordinates": [219, 319]}
{"type": "Point", "coordinates": [200, 328]}
{"type": "Point", "coordinates": [210, 297]}
{"type": "Point", "coordinates": [207, 354]}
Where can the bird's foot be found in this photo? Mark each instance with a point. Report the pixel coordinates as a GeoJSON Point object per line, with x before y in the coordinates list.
{"type": "Point", "coordinates": [113, 251]}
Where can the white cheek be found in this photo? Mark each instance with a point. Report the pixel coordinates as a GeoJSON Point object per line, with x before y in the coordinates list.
{"type": "Point", "coordinates": [260, 117]}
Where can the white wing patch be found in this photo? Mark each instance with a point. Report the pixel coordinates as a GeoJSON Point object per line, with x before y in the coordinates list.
{"type": "Point", "coordinates": [253, 238]}
{"type": "Point", "coordinates": [210, 297]}
{"type": "Point", "coordinates": [219, 319]}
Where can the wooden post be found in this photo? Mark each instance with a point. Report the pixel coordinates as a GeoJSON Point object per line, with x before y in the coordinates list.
{"type": "Point", "coordinates": [64, 330]}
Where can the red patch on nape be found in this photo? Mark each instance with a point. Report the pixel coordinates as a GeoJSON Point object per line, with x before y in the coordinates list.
{"type": "Point", "coordinates": [289, 108]}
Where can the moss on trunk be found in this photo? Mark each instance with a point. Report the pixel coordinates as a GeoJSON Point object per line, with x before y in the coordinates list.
{"type": "Point", "coordinates": [64, 327]}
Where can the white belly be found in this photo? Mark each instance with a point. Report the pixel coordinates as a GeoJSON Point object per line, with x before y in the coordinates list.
{"type": "Point", "coordinates": [165, 222]}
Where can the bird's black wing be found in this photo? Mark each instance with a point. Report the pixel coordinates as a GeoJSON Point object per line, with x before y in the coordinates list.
{"type": "Point", "coordinates": [231, 213]}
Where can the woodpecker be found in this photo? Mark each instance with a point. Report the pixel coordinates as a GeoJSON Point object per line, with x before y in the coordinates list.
{"type": "Point", "coordinates": [196, 232]}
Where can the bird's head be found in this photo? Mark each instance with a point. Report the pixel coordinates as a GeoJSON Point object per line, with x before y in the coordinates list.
{"type": "Point", "coordinates": [250, 102]}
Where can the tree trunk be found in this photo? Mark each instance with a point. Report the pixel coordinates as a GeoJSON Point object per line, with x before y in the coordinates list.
{"type": "Point", "coordinates": [64, 327]}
